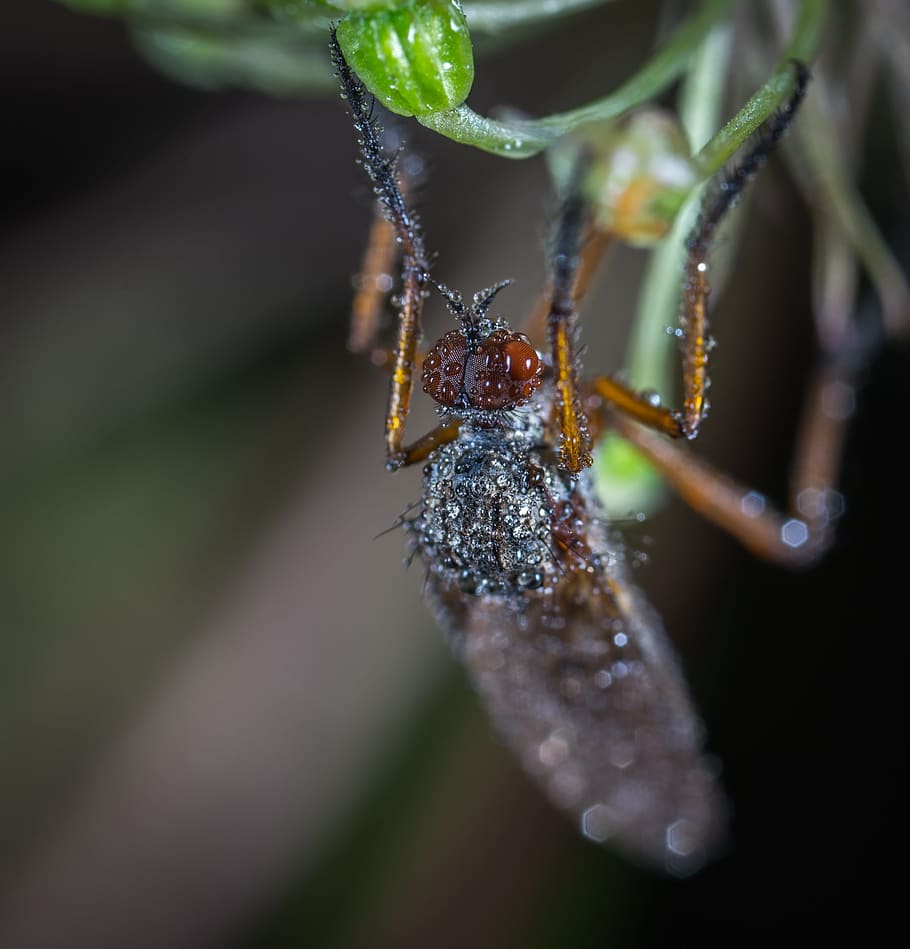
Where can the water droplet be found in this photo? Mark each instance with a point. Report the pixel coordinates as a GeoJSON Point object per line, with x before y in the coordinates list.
{"type": "Point", "coordinates": [682, 838]}
{"type": "Point", "coordinates": [596, 824]}
{"type": "Point", "coordinates": [794, 533]}
{"type": "Point", "coordinates": [652, 397]}
{"type": "Point", "coordinates": [752, 504]}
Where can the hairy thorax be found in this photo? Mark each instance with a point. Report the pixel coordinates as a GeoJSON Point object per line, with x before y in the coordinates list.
{"type": "Point", "coordinates": [498, 517]}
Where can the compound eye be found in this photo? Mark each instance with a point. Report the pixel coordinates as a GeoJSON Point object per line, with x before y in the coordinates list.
{"type": "Point", "coordinates": [522, 361]}
{"type": "Point", "coordinates": [501, 373]}
{"type": "Point", "coordinates": [505, 374]}
{"type": "Point", "coordinates": [444, 368]}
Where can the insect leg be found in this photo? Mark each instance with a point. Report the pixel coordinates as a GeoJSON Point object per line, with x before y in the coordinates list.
{"type": "Point", "coordinates": [569, 417]}
{"type": "Point", "coordinates": [420, 449]}
{"type": "Point", "coordinates": [696, 341]}
{"type": "Point", "coordinates": [593, 252]}
{"type": "Point", "coordinates": [373, 285]}
{"type": "Point", "coordinates": [801, 535]}
{"type": "Point", "coordinates": [383, 173]}
{"type": "Point", "coordinates": [638, 407]}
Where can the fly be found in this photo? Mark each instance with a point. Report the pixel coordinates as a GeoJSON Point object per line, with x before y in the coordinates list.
{"type": "Point", "coordinates": [524, 570]}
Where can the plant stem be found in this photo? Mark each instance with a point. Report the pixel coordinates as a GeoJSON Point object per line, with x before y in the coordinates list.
{"type": "Point", "coordinates": [522, 139]}
{"type": "Point", "coordinates": [772, 95]}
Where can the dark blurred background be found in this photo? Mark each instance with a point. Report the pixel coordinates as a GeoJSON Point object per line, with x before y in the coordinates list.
{"type": "Point", "coordinates": [226, 719]}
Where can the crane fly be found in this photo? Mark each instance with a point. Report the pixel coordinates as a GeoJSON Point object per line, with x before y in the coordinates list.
{"type": "Point", "coordinates": [524, 570]}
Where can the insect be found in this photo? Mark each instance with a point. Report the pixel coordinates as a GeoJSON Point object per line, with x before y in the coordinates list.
{"type": "Point", "coordinates": [524, 570]}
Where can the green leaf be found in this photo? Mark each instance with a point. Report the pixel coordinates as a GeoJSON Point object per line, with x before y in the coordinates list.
{"type": "Point", "coordinates": [415, 59]}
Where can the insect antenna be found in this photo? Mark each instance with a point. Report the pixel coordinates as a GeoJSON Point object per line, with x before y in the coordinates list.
{"type": "Point", "coordinates": [470, 316]}
{"type": "Point", "coordinates": [484, 298]}
{"type": "Point", "coordinates": [454, 298]}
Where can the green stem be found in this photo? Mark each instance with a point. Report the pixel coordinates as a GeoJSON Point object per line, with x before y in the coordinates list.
{"type": "Point", "coordinates": [462, 124]}
{"type": "Point", "coordinates": [701, 99]}
{"type": "Point", "coordinates": [772, 95]}
{"type": "Point", "coordinates": [661, 70]}
{"type": "Point", "coordinates": [521, 139]}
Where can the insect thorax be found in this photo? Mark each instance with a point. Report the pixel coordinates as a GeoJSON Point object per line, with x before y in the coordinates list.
{"type": "Point", "coordinates": [490, 502]}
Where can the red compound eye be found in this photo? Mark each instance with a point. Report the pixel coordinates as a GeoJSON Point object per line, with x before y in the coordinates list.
{"type": "Point", "coordinates": [503, 372]}
{"type": "Point", "coordinates": [522, 361]}
{"type": "Point", "coordinates": [443, 368]}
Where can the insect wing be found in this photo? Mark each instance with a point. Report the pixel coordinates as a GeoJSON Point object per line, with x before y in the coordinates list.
{"type": "Point", "coordinates": [596, 708]}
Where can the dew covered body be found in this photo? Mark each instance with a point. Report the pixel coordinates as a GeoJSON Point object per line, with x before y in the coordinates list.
{"type": "Point", "coordinates": [489, 509]}
{"type": "Point", "coordinates": [531, 583]}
